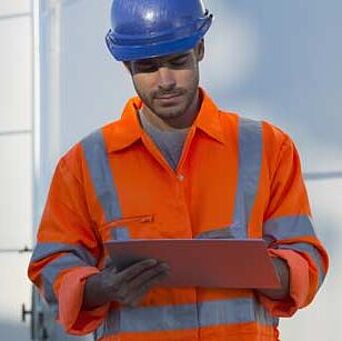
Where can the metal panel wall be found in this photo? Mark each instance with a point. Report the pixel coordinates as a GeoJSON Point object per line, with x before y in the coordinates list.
{"type": "Point", "coordinates": [16, 110]}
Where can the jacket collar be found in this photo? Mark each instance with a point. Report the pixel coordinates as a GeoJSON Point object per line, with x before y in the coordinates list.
{"type": "Point", "coordinates": [128, 130]}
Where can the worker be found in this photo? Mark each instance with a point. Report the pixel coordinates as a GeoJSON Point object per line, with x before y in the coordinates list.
{"type": "Point", "coordinates": [173, 166]}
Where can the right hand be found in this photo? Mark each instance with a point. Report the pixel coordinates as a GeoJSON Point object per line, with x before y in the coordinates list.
{"type": "Point", "coordinates": [127, 287]}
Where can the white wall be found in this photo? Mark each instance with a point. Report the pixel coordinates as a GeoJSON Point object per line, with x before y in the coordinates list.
{"type": "Point", "coordinates": [275, 60]}
{"type": "Point", "coordinates": [16, 109]}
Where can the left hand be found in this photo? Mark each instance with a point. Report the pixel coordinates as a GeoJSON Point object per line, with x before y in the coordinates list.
{"type": "Point", "coordinates": [283, 272]}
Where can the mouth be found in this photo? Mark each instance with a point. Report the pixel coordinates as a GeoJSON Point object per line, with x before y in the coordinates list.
{"type": "Point", "coordinates": [168, 97]}
{"type": "Point", "coordinates": [168, 101]}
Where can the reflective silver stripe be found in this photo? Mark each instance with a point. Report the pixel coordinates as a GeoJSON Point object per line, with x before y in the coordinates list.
{"type": "Point", "coordinates": [120, 233]}
{"type": "Point", "coordinates": [312, 252]}
{"type": "Point", "coordinates": [289, 227]}
{"type": "Point", "coordinates": [51, 271]}
{"type": "Point", "coordinates": [96, 156]}
{"type": "Point", "coordinates": [101, 175]}
{"type": "Point", "coordinates": [43, 250]}
{"type": "Point", "coordinates": [178, 317]}
{"type": "Point", "coordinates": [240, 310]}
{"type": "Point", "coordinates": [250, 157]}
{"type": "Point", "coordinates": [150, 319]}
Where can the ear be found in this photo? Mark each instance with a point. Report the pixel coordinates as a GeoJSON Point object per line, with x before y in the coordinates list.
{"type": "Point", "coordinates": [200, 50]}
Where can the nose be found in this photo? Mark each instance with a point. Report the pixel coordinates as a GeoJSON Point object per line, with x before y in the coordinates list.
{"type": "Point", "coordinates": [166, 79]}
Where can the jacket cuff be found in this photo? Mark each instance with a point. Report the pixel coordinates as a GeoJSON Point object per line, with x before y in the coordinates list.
{"type": "Point", "coordinates": [299, 285]}
{"type": "Point", "coordinates": [70, 298]}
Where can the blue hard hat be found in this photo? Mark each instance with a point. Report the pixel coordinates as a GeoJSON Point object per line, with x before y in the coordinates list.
{"type": "Point", "coordinates": [144, 29]}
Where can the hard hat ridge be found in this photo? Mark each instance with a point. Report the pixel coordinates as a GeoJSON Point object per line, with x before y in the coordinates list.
{"type": "Point", "coordinates": [144, 29]}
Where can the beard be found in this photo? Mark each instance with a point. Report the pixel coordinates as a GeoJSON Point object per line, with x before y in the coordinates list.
{"type": "Point", "coordinates": [179, 99]}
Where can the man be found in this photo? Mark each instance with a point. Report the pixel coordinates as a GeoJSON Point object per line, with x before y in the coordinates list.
{"type": "Point", "coordinates": [174, 166]}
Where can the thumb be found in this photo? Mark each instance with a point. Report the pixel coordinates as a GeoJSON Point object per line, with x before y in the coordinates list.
{"type": "Point", "coordinates": [111, 268]}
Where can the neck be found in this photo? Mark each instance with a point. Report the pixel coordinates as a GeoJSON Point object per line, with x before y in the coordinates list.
{"type": "Point", "coordinates": [185, 121]}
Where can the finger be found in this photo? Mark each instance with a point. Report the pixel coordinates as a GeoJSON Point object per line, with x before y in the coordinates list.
{"type": "Point", "coordinates": [121, 294]}
{"type": "Point", "coordinates": [110, 269]}
{"type": "Point", "coordinates": [141, 289]}
{"type": "Point", "coordinates": [135, 269]}
{"type": "Point", "coordinates": [128, 289]}
{"type": "Point", "coordinates": [109, 276]}
{"type": "Point", "coordinates": [121, 285]}
{"type": "Point", "coordinates": [147, 275]}
{"type": "Point", "coordinates": [139, 294]}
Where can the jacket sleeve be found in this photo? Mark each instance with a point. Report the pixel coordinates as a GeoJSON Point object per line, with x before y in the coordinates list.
{"type": "Point", "coordinates": [67, 252]}
{"type": "Point", "coordinates": [289, 227]}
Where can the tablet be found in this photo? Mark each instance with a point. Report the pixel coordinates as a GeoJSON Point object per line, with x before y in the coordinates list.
{"type": "Point", "coordinates": [207, 263]}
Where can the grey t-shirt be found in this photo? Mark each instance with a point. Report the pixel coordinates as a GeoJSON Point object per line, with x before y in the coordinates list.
{"type": "Point", "coordinates": [170, 142]}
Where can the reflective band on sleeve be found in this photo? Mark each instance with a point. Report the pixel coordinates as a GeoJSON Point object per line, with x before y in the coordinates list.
{"type": "Point", "coordinates": [43, 250]}
{"type": "Point", "coordinates": [289, 227]}
{"type": "Point", "coordinates": [51, 271]}
{"type": "Point", "coordinates": [101, 175]}
{"type": "Point", "coordinates": [178, 317]}
{"type": "Point", "coordinates": [312, 252]}
{"type": "Point", "coordinates": [250, 155]}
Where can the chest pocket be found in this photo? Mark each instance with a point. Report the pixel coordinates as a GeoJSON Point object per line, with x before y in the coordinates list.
{"type": "Point", "coordinates": [121, 229]}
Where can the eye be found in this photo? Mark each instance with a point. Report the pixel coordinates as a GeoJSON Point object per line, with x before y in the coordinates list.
{"type": "Point", "coordinates": [181, 61]}
{"type": "Point", "coordinates": [145, 67]}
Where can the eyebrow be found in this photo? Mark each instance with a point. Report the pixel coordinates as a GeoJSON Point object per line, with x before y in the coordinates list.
{"type": "Point", "coordinates": [180, 56]}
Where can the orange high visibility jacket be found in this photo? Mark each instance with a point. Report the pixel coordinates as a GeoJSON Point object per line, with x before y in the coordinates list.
{"type": "Point", "coordinates": [234, 173]}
